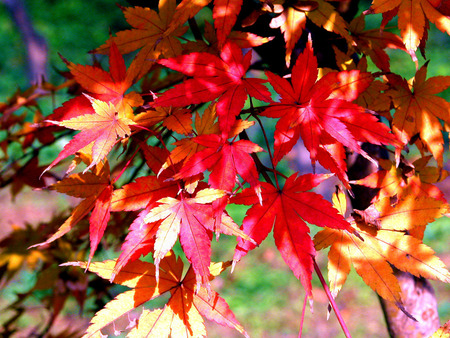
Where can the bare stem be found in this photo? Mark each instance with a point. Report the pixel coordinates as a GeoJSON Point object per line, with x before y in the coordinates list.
{"type": "Point", "coordinates": [331, 299]}
{"type": "Point", "coordinates": [303, 316]}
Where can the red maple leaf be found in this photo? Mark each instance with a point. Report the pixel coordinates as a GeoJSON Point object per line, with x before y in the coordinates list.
{"type": "Point", "coordinates": [215, 77]}
{"type": "Point", "coordinates": [322, 113]}
{"type": "Point", "coordinates": [225, 13]}
{"type": "Point", "coordinates": [225, 159]}
{"type": "Point", "coordinates": [288, 210]}
{"type": "Point", "coordinates": [192, 220]}
{"type": "Point", "coordinates": [139, 242]}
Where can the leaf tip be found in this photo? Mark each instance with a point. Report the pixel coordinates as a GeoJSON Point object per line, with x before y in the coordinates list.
{"type": "Point", "coordinates": [356, 233]}
{"type": "Point", "coordinates": [233, 265]}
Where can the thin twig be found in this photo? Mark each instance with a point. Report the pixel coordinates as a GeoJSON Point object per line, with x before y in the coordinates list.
{"type": "Point", "coordinates": [303, 316]}
{"type": "Point", "coordinates": [331, 299]}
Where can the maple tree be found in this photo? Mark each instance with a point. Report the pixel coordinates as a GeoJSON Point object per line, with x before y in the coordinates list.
{"type": "Point", "coordinates": [191, 119]}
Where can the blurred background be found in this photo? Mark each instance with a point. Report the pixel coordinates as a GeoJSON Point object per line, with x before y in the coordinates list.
{"type": "Point", "coordinates": [264, 295]}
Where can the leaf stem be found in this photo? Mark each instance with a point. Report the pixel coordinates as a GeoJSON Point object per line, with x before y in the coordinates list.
{"type": "Point", "coordinates": [331, 299]}
{"type": "Point", "coordinates": [303, 316]}
{"type": "Point", "coordinates": [275, 173]}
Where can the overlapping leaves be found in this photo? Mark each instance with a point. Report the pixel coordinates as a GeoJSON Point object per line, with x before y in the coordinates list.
{"type": "Point", "coordinates": [214, 158]}
{"type": "Point", "coordinates": [182, 316]}
{"type": "Point", "coordinates": [323, 115]}
{"type": "Point", "coordinates": [375, 248]}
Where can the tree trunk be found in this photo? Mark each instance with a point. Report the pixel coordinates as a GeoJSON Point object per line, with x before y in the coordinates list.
{"type": "Point", "coordinates": [420, 301]}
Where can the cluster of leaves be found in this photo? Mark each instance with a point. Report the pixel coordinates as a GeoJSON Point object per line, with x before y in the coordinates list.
{"type": "Point", "coordinates": [164, 146]}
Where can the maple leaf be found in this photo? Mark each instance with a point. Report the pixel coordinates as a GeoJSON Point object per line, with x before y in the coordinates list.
{"type": "Point", "coordinates": [407, 213]}
{"type": "Point", "coordinates": [186, 10]}
{"type": "Point", "coordinates": [134, 196]}
{"type": "Point", "coordinates": [77, 106]}
{"type": "Point", "coordinates": [375, 97]}
{"type": "Point", "coordinates": [373, 42]}
{"type": "Point", "coordinates": [225, 13]}
{"type": "Point", "coordinates": [412, 19]}
{"type": "Point", "coordinates": [225, 159]}
{"type": "Point", "coordinates": [100, 129]}
{"type": "Point", "coordinates": [215, 77]}
{"type": "Point", "coordinates": [371, 254]}
{"type": "Point", "coordinates": [418, 109]}
{"type": "Point", "coordinates": [96, 190]}
{"type": "Point", "coordinates": [443, 331]}
{"type": "Point", "coordinates": [150, 34]}
{"type": "Point", "coordinates": [14, 253]}
{"type": "Point", "coordinates": [293, 16]}
{"type": "Point", "coordinates": [415, 179]}
{"type": "Point", "coordinates": [187, 147]}
{"type": "Point", "coordinates": [211, 45]}
{"type": "Point", "coordinates": [154, 156]}
{"type": "Point", "coordinates": [27, 174]}
{"type": "Point", "coordinates": [287, 211]}
{"type": "Point", "coordinates": [146, 190]}
{"type": "Point", "coordinates": [322, 113]}
{"type": "Point", "coordinates": [109, 86]}
{"type": "Point", "coordinates": [181, 316]}
{"type": "Point", "coordinates": [139, 242]}
{"type": "Point", "coordinates": [371, 250]}
{"type": "Point", "coordinates": [192, 220]}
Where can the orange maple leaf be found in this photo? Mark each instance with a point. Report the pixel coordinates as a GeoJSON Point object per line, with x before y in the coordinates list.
{"type": "Point", "coordinates": [96, 190]}
{"type": "Point", "coordinates": [109, 86]}
{"type": "Point", "coordinates": [211, 45]}
{"type": "Point", "coordinates": [224, 12]}
{"type": "Point", "coordinates": [371, 251]}
{"type": "Point", "coordinates": [412, 18]}
{"type": "Point", "coordinates": [409, 212]}
{"type": "Point", "coordinates": [371, 255]}
{"type": "Point", "coordinates": [416, 180]}
{"type": "Point", "coordinates": [181, 316]}
{"type": "Point", "coordinates": [187, 147]}
{"type": "Point", "coordinates": [418, 109]}
{"type": "Point", "coordinates": [373, 42]}
{"type": "Point", "coordinates": [150, 33]}
{"type": "Point", "coordinates": [293, 16]}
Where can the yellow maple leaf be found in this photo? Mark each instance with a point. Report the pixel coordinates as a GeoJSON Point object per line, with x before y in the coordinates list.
{"type": "Point", "coordinates": [372, 251]}
{"type": "Point", "coordinates": [101, 129]}
{"type": "Point", "coordinates": [443, 331]}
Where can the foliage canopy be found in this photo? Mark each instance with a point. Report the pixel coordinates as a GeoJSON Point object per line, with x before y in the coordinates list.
{"type": "Point", "coordinates": [191, 117]}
